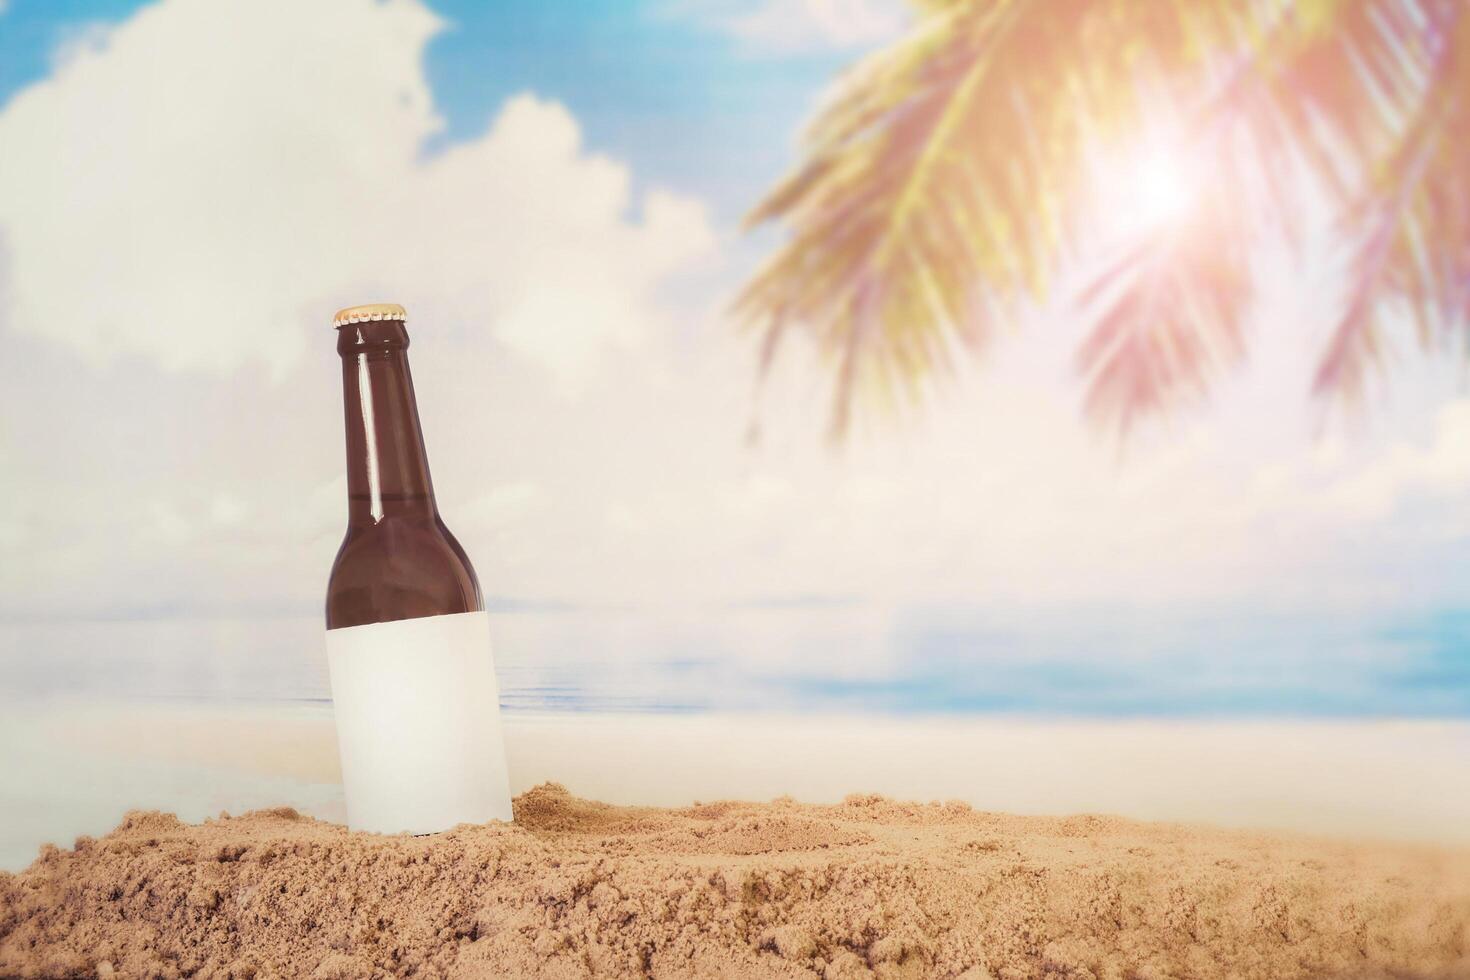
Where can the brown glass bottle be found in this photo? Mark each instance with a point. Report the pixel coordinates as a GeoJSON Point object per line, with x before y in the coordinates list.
{"type": "Point", "coordinates": [398, 560]}
{"type": "Point", "coordinates": [414, 694]}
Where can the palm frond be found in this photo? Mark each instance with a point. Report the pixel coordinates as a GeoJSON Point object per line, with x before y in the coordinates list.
{"type": "Point", "coordinates": [1166, 318]}
{"type": "Point", "coordinates": [887, 254]}
{"type": "Point", "coordinates": [1411, 216]}
{"type": "Point", "coordinates": [940, 184]}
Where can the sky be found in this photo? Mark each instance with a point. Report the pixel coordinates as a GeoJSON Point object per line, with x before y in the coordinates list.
{"type": "Point", "coordinates": [188, 190]}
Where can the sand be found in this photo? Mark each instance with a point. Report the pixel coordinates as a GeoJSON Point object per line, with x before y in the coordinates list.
{"type": "Point", "coordinates": [865, 888]}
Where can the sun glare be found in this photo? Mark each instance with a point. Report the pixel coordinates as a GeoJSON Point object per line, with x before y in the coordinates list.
{"type": "Point", "coordinates": [1148, 186]}
{"type": "Point", "coordinates": [1161, 191]}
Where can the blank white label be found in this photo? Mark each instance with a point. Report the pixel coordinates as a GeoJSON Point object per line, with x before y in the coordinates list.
{"type": "Point", "coordinates": [418, 724]}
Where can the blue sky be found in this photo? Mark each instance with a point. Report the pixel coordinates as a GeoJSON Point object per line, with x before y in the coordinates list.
{"type": "Point", "coordinates": [687, 105]}
{"type": "Point", "coordinates": [554, 191]}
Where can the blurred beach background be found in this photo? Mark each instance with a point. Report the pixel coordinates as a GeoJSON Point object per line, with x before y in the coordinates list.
{"type": "Point", "coordinates": [1252, 610]}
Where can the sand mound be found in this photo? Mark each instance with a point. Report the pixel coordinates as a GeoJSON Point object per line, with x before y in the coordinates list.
{"type": "Point", "coordinates": [867, 888]}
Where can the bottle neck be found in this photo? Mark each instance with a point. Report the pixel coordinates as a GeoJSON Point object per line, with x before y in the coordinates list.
{"type": "Point", "coordinates": [387, 468]}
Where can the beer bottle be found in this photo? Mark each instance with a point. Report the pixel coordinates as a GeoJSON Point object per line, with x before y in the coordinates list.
{"type": "Point", "coordinates": [408, 644]}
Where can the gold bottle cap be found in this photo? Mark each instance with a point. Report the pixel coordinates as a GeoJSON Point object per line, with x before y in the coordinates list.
{"type": "Point", "coordinates": [372, 311]}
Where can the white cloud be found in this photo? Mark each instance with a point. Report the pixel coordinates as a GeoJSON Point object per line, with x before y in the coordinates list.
{"type": "Point", "coordinates": [204, 185]}
{"type": "Point", "coordinates": [790, 26]}
{"type": "Point", "coordinates": [228, 509]}
{"type": "Point", "coordinates": [1405, 469]}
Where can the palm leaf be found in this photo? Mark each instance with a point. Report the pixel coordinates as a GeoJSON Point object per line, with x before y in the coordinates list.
{"type": "Point", "coordinates": [1166, 318]}
{"type": "Point", "coordinates": [940, 184]}
{"type": "Point", "coordinates": [1411, 217]}
{"type": "Point", "coordinates": [935, 182]}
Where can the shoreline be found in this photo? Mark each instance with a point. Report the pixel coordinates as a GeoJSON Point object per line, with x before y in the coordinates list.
{"type": "Point", "coordinates": [1343, 778]}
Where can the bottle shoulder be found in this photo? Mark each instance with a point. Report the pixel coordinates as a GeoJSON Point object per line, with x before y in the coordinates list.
{"type": "Point", "coordinates": [399, 568]}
